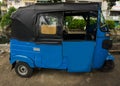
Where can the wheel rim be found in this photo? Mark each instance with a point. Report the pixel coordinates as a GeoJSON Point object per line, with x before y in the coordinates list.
{"type": "Point", "coordinates": [22, 70]}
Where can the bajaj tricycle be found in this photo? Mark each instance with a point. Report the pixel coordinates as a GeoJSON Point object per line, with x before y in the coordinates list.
{"type": "Point", "coordinates": [42, 38]}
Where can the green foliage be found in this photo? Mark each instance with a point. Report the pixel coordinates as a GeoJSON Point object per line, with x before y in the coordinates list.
{"type": "Point", "coordinates": [6, 20]}
{"type": "Point", "coordinates": [68, 20]}
{"type": "Point", "coordinates": [55, 1]}
{"type": "Point", "coordinates": [80, 23]}
{"type": "Point", "coordinates": [77, 24]}
{"type": "Point", "coordinates": [92, 21]}
{"type": "Point", "coordinates": [3, 39]}
{"type": "Point", "coordinates": [0, 11]}
{"type": "Point", "coordinates": [117, 27]}
{"type": "Point", "coordinates": [111, 24]}
{"type": "Point", "coordinates": [111, 3]}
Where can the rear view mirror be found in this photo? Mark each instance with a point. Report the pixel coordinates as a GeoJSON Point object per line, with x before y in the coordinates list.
{"type": "Point", "coordinates": [104, 28]}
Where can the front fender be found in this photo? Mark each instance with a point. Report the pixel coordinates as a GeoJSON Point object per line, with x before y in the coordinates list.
{"type": "Point", "coordinates": [110, 57]}
{"type": "Point", "coordinates": [23, 59]}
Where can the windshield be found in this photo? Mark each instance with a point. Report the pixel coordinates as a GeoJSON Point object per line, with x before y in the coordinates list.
{"type": "Point", "coordinates": [103, 25]}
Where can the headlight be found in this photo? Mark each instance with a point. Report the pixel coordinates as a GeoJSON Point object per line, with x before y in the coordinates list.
{"type": "Point", "coordinates": [108, 34]}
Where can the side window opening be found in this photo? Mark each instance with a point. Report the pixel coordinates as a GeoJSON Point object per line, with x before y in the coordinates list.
{"type": "Point", "coordinates": [74, 28]}
{"type": "Point", "coordinates": [50, 27]}
{"type": "Point", "coordinates": [80, 27]}
{"type": "Point", "coordinates": [54, 27]}
{"type": "Point", "coordinates": [103, 25]}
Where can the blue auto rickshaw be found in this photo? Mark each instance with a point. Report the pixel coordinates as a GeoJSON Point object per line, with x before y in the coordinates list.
{"type": "Point", "coordinates": [40, 38]}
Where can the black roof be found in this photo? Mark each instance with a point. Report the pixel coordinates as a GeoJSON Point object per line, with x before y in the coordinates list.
{"type": "Point", "coordinates": [64, 6]}
{"type": "Point", "coordinates": [67, 6]}
{"type": "Point", "coordinates": [25, 14]}
{"type": "Point", "coordinates": [46, 7]}
{"type": "Point", "coordinates": [24, 18]}
{"type": "Point", "coordinates": [52, 7]}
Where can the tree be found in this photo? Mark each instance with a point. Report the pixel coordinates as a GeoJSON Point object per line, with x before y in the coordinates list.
{"type": "Point", "coordinates": [111, 3]}
{"type": "Point", "coordinates": [55, 1]}
{"type": "Point", "coordinates": [6, 20]}
{"type": "Point", "coordinates": [6, 23]}
{"type": "Point", "coordinates": [111, 24]}
{"type": "Point", "coordinates": [0, 10]}
{"type": "Point", "coordinates": [48, 1]}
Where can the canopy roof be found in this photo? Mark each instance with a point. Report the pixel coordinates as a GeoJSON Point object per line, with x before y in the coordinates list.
{"type": "Point", "coordinates": [64, 6]}
{"type": "Point", "coordinates": [28, 14]}
{"type": "Point", "coordinates": [52, 7]}
{"type": "Point", "coordinates": [24, 19]}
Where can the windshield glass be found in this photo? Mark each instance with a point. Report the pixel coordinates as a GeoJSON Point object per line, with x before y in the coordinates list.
{"type": "Point", "coordinates": [103, 25]}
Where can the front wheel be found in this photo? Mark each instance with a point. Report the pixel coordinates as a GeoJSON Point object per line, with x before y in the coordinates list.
{"type": "Point", "coordinates": [108, 66]}
{"type": "Point", "coordinates": [23, 69]}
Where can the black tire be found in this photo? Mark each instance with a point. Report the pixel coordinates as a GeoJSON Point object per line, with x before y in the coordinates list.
{"type": "Point", "coordinates": [23, 69]}
{"type": "Point", "coordinates": [108, 66]}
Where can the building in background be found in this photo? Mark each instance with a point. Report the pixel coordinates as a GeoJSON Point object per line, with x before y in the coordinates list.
{"type": "Point", "coordinates": [20, 3]}
{"type": "Point", "coordinates": [3, 7]}
{"type": "Point", "coordinates": [115, 13]}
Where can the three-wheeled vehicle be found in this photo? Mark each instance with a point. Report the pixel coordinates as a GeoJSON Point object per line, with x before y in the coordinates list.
{"type": "Point", "coordinates": [41, 38]}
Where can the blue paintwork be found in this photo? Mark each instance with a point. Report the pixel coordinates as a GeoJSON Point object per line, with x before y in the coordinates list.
{"type": "Point", "coordinates": [110, 57]}
{"type": "Point", "coordinates": [22, 59]}
{"type": "Point", "coordinates": [75, 56]}
{"type": "Point", "coordinates": [21, 51]}
{"type": "Point", "coordinates": [79, 55]}
{"type": "Point", "coordinates": [51, 56]}
{"type": "Point", "coordinates": [100, 54]}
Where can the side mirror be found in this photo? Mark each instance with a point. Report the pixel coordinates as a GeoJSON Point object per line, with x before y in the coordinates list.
{"type": "Point", "coordinates": [104, 28]}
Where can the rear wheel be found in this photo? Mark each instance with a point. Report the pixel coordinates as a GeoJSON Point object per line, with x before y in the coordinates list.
{"type": "Point", "coordinates": [108, 66]}
{"type": "Point", "coordinates": [23, 69]}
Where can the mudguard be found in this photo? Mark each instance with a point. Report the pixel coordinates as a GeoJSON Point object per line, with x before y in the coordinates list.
{"type": "Point", "coordinates": [110, 57]}
{"type": "Point", "coordinates": [23, 59]}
